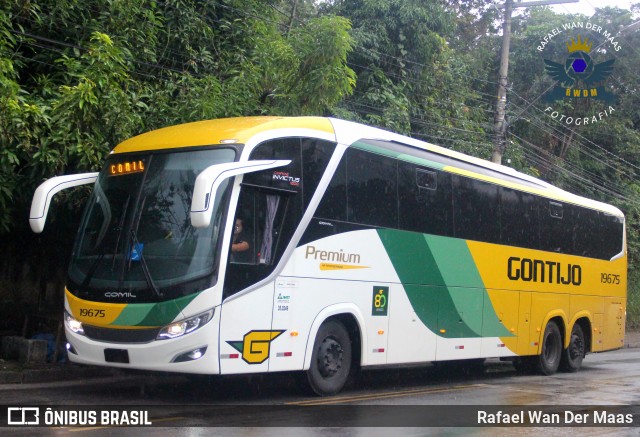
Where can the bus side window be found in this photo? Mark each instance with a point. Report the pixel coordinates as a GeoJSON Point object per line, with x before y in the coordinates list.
{"type": "Point", "coordinates": [519, 219]}
{"type": "Point", "coordinates": [334, 202]}
{"type": "Point", "coordinates": [556, 233]}
{"type": "Point", "coordinates": [244, 230]}
{"type": "Point", "coordinates": [372, 190]}
{"type": "Point", "coordinates": [424, 200]}
{"type": "Point", "coordinates": [610, 228]}
{"type": "Point", "coordinates": [475, 209]}
{"type": "Point", "coordinates": [264, 216]}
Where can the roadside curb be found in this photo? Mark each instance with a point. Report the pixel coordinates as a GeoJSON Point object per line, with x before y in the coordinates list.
{"type": "Point", "coordinates": [632, 339]}
{"type": "Point", "coordinates": [13, 373]}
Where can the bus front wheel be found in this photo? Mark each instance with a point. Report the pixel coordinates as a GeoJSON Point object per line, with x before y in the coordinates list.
{"type": "Point", "coordinates": [548, 361]}
{"type": "Point", "coordinates": [330, 359]}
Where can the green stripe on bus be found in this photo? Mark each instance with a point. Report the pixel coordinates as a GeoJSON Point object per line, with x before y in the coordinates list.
{"type": "Point", "coordinates": [401, 156]}
{"type": "Point", "coordinates": [443, 284]}
{"type": "Point", "coordinates": [133, 314]}
{"type": "Point", "coordinates": [152, 314]}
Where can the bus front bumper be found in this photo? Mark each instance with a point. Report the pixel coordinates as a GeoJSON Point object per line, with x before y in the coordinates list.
{"type": "Point", "coordinates": [195, 352]}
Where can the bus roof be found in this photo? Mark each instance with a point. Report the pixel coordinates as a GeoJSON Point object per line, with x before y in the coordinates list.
{"type": "Point", "coordinates": [241, 129]}
{"type": "Point", "coordinates": [220, 131]}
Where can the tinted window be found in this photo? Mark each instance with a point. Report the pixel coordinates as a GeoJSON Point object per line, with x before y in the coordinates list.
{"type": "Point", "coordinates": [424, 200]}
{"type": "Point", "coordinates": [555, 232]}
{"type": "Point", "coordinates": [587, 237]}
{"type": "Point", "coordinates": [610, 230]}
{"type": "Point", "coordinates": [363, 190]}
{"type": "Point", "coordinates": [519, 218]}
{"type": "Point", "coordinates": [315, 158]}
{"type": "Point", "coordinates": [596, 234]}
{"type": "Point", "coordinates": [476, 210]}
{"type": "Point", "coordinates": [267, 228]}
{"type": "Point", "coordinates": [333, 205]}
{"type": "Point", "coordinates": [285, 178]}
{"type": "Point", "coordinates": [372, 189]}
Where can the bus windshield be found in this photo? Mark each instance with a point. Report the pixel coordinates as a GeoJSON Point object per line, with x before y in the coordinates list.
{"type": "Point", "coordinates": [136, 242]}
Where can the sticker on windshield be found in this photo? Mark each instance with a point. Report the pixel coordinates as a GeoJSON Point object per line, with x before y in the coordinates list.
{"type": "Point", "coordinates": [136, 252]}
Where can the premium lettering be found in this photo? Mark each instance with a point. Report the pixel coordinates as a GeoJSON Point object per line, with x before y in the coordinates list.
{"type": "Point", "coordinates": [537, 270]}
{"type": "Point", "coordinates": [324, 255]}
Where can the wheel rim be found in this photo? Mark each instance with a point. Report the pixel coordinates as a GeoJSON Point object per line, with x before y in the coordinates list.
{"type": "Point", "coordinates": [329, 357]}
{"type": "Point", "coordinates": [576, 348]}
{"type": "Point", "coordinates": [550, 348]}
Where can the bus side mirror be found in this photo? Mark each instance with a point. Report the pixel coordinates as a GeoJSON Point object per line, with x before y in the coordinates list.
{"type": "Point", "coordinates": [45, 192]}
{"type": "Point", "coordinates": [209, 180]}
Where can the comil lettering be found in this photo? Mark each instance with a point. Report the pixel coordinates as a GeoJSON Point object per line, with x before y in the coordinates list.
{"type": "Point", "coordinates": [127, 167]}
{"type": "Point", "coordinates": [537, 270]}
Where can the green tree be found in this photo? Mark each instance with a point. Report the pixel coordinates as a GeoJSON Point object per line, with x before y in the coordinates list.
{"type": "Point", "coordinates": [409, 79]}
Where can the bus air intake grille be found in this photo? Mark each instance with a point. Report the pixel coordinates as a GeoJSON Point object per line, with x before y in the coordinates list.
{"type": "Point", "coordinates": [110, 335]}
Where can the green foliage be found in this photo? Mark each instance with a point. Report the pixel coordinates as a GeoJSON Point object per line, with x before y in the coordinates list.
{"type": "Point", "coordinates": [409, 79]}
{"type": "Point", "coordinates": [633, 300]}
{"type": "Point", "coordinates": [322, 78]}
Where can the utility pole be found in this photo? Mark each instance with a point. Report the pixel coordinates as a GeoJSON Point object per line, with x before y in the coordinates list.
{"type": "Point", "coordinates": [499, 122]}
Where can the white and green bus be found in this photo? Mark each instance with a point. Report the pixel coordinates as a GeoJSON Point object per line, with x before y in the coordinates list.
{"type": "Point", "coordinates": [270, 244]}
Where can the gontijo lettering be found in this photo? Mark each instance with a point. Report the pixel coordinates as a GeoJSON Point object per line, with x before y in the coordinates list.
{"type": "Point", "coordinates": [537, 270]}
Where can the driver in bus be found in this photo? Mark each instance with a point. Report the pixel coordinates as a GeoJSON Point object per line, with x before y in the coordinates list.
{"type": "Point", "coordinates": [240, 245]}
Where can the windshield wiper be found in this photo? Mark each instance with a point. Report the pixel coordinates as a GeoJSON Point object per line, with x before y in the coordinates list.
{"type": "Point", "coordinates": [94, 265]}
{"type": "Point", "coordinates": [92, 270]}
{"type": "Point", "coordinates": [143, 263]}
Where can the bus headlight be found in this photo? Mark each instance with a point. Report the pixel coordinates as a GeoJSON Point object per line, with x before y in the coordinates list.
{"type": "Point", "coordinates": [178, 329]}
{"type": "Point", "coordinates": [73, 324]}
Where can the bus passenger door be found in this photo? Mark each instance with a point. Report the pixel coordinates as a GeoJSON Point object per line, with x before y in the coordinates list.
{"type": "Point", "coordinates": [247, 334]}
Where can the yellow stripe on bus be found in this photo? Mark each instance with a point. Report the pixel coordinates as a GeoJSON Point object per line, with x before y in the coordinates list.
{"type": "Point", "coordinates": [94, 313]}
{"type": "Point", "coordinates": [550, 194]}
{"type": "Point", "coordinates": [329, 266]}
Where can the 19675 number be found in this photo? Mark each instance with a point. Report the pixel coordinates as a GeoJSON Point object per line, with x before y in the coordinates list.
{"type": "Point", "coordinates": [609, 278]}
{"type": "Point", "coordinates": [87, 312]}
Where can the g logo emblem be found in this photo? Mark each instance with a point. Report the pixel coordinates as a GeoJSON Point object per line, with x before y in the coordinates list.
{"type": "Point", "coordinates": [255, 345]}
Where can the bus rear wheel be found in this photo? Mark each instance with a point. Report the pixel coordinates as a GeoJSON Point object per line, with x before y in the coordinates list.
{"type": "Point", "coordinates": [330, 359]}
{"type": "Point", "coordinates": [573, 355]}
{"type": "Point", "coordinates": [548, 361]}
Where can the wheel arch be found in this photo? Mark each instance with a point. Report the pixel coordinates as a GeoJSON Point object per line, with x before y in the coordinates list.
{"type": "Point", "coordinates": [352, 319]}
{"type": "Point", "coordinates": [583, 319]}
{"type": "Point", "coordinates": [560, 319]}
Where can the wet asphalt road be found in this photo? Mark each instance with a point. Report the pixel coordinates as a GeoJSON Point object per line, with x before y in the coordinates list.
{"type": "Point", "coordinates": [375, 403]}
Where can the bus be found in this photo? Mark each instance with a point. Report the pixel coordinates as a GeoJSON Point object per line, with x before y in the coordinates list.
{"type": "Point", "coordinates": [270, 244]}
